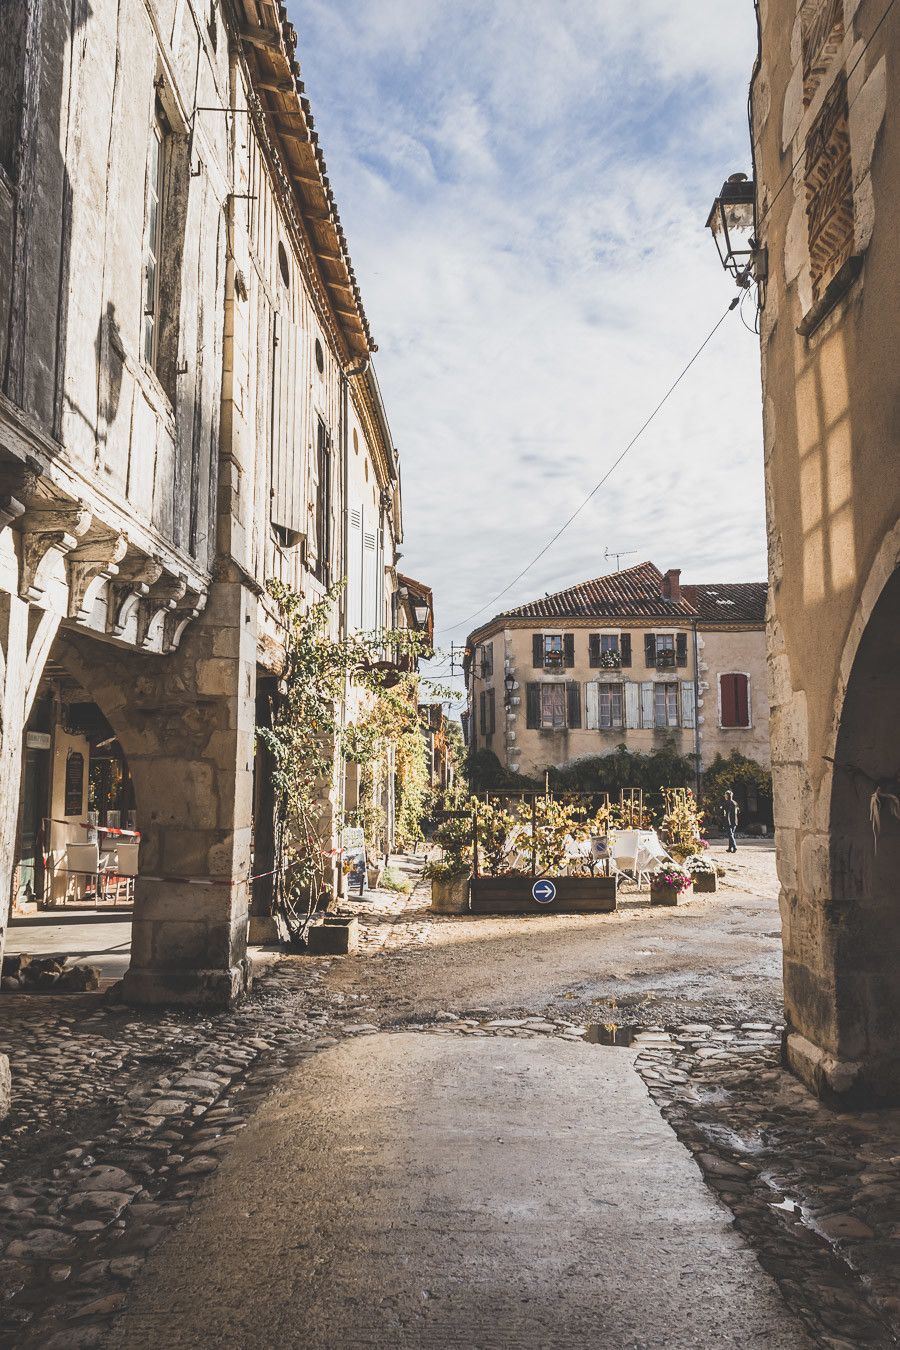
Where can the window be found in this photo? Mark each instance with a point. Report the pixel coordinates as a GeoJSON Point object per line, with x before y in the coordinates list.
{"type": "Point", "coordinates": [665, 651]}
{"type": "Point", "coordinates": [829, 191]}
{"type": "Point", "coordinates": [320, 357]}
{"type": "Point", "coordinates": [665, 705]}
{"type": "Point", "coordinates": [553, 651]}
{"type": "Point", "coordinates": [605, 704]}
{"type": "Point", "coordinates": [156, 181]}
{"type": "Point", "coordinates": [322, 542]}
{"type": "Point", "coordinates": [734, 700]}
{"type": "Point", "coordinates": [553, 706]}
{"type": "Point", "coordinates": [488, 709]}
{"type": "Point", "coordinates": [609, 651]}
{"type": "Point", "coordinates": [487, 660]}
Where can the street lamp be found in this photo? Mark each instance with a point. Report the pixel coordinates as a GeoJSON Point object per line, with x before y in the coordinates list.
{"type": "Point", "coordinates": [509, 683]}
{"type": "Point", "coordinates": [731, 220]}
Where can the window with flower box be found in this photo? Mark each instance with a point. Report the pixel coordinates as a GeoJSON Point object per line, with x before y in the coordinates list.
{"type": "Point", "coordinates": [665, 651]}
{"type": "Point", "coordinates": [609, 651]}
{"type": "Point", "coordinates": [553, 651]}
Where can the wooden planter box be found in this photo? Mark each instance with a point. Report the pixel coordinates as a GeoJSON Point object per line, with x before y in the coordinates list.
{"type": "Point", "coordinates": [516, 895]}
{"type": "Point", "coordinates": [336, 935]}
{"type": "Point", "coordinates": [668, 895]}
{"type": "Point", "coordinates": [450, 896]}
{"type": "Point", "coordinates": [705, 883]}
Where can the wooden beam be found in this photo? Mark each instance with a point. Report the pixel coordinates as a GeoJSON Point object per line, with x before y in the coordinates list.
{"type": "Point", "coordinates": [259, 37]}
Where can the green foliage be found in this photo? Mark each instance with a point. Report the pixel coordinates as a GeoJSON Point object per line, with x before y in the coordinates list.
{"type": "Point", "coordinates": [485, 771]}
{"type": "Point", "coordinates": [739, 773]}
{"type": "Point", "coordinates": [625, 769]}
{"type": "Point", "coordinates": [392, 880]}
{"type": "Point", "coordinates": [682, 822]}
{"type": "Point", "coordinates": [304, 734]}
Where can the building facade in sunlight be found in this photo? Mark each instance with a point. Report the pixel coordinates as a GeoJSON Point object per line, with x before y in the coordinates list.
{"type": "Point", "coordinates": [826, 135]}
{"type": "Point", "coordinates": [188, 409]}
{"type": "Point", "coordinates": [633, 658]}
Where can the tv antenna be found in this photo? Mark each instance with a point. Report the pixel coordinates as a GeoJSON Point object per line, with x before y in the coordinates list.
{"type": "Point", "coordinates": [618, 553]}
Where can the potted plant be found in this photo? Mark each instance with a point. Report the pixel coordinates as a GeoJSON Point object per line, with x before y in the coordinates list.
{"type": "Point", "coordinates": [449, 877]}
{"type": "Point", "coordinates": [668, 883]}
{"type": "Point", "coordinates": [703, 873]}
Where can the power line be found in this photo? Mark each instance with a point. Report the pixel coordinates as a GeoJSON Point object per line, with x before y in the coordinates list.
{"type": "Point", "coordinates": [448, 628]}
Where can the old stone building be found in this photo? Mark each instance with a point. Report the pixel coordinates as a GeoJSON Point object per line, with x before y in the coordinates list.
{"type": "Point", "coordinates": [633, 657]}
{"type": "Point", "coordinates": [826, 137]}
{"type": "Point", "coordinates": [188, 408]}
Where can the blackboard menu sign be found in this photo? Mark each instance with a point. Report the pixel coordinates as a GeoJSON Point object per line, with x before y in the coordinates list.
{"type": "Point", "coordinates": [74, 783]}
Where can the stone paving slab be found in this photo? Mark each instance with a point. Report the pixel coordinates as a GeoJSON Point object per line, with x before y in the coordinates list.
{"type": "Point", "coordinates": [414, 1192]}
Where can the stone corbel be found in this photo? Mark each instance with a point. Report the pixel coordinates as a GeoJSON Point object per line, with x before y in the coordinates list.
{"type": "Point", "coordinates": [177, 619]}
{"type": "Point", "coordinates": [88, 566]}
{"type": "Point", "coordinates": [44, 531]}
{"type": "Point", "coordinates": [162, 596]}
{"type": "Point", "coordinates": [18, 479]}
{"type": "Point", "coordinates": [135, 577]}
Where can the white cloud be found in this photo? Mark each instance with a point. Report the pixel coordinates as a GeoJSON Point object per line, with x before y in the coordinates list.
{"type": "Point", "coordinates": [524, 187]}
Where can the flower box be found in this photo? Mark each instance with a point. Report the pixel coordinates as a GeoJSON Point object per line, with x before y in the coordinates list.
{"type": "Point", "coordinates": [450, 895]}
{"type": "Point", "coordinates": [667, 895]}
{"type": "Point", "coordinates": [562, 895]}
{"type": "Point", "coordinates": [705, 883]}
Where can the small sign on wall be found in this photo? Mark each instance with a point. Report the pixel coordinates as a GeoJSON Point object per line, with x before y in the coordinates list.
{"type": "Point", "coordinates": [74, 783]}
{"type": "Point", "coordinates": [37, 740]}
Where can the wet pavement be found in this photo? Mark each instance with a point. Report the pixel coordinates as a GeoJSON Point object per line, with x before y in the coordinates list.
{"type": "Point", "coordinates": [120, 1118]}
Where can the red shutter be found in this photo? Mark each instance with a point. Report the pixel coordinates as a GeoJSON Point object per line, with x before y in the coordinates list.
{"type": "Point", "coordinates": [728, 694]}
{"type": "Point", "coordinates": [742, 700]}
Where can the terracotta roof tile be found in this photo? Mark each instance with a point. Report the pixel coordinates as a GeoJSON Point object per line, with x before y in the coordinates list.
{"type": "Point", "coordinates": [633, 592]}
{"type": "Point", "coordinates": [728, 601]}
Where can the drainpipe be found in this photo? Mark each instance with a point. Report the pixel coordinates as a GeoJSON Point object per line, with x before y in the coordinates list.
{"type": "Point", "coordinates": [344, 435]}
{"type": "Point", "coordinates": [696, 710]}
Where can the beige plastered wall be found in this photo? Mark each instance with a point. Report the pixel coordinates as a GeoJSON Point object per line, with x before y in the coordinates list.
{"type": "Point", "coordinates": [734, 651]}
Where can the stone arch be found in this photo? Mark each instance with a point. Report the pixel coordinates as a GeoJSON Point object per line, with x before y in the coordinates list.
{"type": "Point", "coordinates": [863, 870]}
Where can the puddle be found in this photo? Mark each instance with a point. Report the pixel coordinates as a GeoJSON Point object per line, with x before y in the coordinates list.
{"type": "Point", "coordinates": [611, 1033]}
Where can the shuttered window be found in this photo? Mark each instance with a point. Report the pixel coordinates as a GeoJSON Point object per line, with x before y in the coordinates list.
{"type": "Point", "coordinates": [734, 700]}
{"type": "Point", "coordinates": [604, 705]}
{"type": "Point", "coordinates": [370, 578]}
{"type": "Point", "coordinates": [625, 649]}
{"type": "Point", "coordinates": [487, 660]}
{"type": "Point", "coordinates": [488, 711]}
{"type": "Point", "coordinates": [553, 651]}
{"type": "Point", "coordinates": [665, 705]}
{"type": "Point", "coordinates": [320, 543]}
{"type": "Point", "coordinates": [286, 431]}
{"type": "Point", "coordinates": [603, 651]}
{"type": "Point", "coordinates": [552, 706]}
{"type": "Point", "coordinates": [354, 568]}
{"type": "Point", "coordinates": [829, 190]}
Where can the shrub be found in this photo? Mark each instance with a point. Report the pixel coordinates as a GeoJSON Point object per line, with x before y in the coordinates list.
{"type": "Point", "coordinates": [392, 880]}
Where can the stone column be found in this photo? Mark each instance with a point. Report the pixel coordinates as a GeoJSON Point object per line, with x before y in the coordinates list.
{"type": "Point", "coordinates": [13, 660]}
{"type": "Point", "coordinates": [194, 784]}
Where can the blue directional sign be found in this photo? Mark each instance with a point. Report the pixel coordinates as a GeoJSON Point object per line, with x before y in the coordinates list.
{"type": "Point", "coordinates": [544, 892]}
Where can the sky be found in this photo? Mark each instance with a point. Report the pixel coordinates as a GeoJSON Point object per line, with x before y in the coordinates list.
{"type": "Point", "coordinates": [524, 186]}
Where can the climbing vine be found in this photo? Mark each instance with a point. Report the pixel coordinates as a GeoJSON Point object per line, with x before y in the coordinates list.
{"type": "Point", "coordinates": [305, 737]}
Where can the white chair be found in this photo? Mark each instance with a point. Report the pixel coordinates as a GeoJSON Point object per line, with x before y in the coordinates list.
{"type": "Point", "coordinates": [83, 860]}
{"type": "Point", "coordinates": [121, 871]}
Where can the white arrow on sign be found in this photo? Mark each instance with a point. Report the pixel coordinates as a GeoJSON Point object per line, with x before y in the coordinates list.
{"type": "Point", "coordinates": [544, 892]}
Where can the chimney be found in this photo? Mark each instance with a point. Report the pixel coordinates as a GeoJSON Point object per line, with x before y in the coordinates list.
{"type": "Point", "coordinates": [671, 584]}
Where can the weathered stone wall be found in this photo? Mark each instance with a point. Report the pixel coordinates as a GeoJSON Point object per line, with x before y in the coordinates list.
{"type": "Point", "coordinates": [830, 391]}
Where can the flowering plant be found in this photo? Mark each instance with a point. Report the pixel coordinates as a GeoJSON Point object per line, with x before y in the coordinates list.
{"type": "Point", "coordinates": [673, 877]}
{"type": "Point", "coordinates": [696, 862]}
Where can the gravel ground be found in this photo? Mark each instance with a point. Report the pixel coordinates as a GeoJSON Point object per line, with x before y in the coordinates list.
{"type": "Point", "coordinates": [160, 1098]}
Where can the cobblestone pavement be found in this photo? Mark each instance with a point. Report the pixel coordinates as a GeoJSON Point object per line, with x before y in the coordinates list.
{"type": "Point", "coordinates": [120, 1116]}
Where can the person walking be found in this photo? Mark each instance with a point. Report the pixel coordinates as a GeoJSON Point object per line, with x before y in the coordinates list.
{"type": "Point", "coordinates": [731, 811]}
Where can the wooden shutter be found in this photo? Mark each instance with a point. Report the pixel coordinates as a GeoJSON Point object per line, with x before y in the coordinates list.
{"type": "Point", "coordinates": [681, 649]}
{"type": "Point", "coordinates": [688, 716]}
{"type": "Point", "coordinates": [286, 440]}
{"type": "Point", "coordinates": [742, 700]}
{"type": "Point", "coordinates": [487, 659]}
{"type": "Point", "coordinates": [648, 718]}
{"type": "Point", "coordinates": [573, 703]}
{"type": "Point", "coordinates": [533, 706]}
{"type": "Point", "coordinates": [492, 712]}
{"type": "Point", "coordinates": [594, 650]}
{"type": "Point", "coordinates": [728, 700]}
{"type": "Point", "coordinates": [568, 650]}
{"type": "Point", "coordinates": [592, 705]}
{"type": "Point", "coordinates": [632, 705]}
{"type": "Point", "coordinates": [354, 568]}
{"type": "Point", "coordinates": [537, 651]}
{"type": "Point", "coordinates": [649, 650]}
{"type": "Point", "coordinates": [482, 712]}
{"type": "Point", "coordinates": [369, 577]}
{"type": "Point", "coordinates": [625, 649]}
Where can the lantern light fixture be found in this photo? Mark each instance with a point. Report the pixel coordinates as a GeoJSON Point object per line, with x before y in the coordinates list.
{"type": "Point", "coordinates": [731, 221]}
